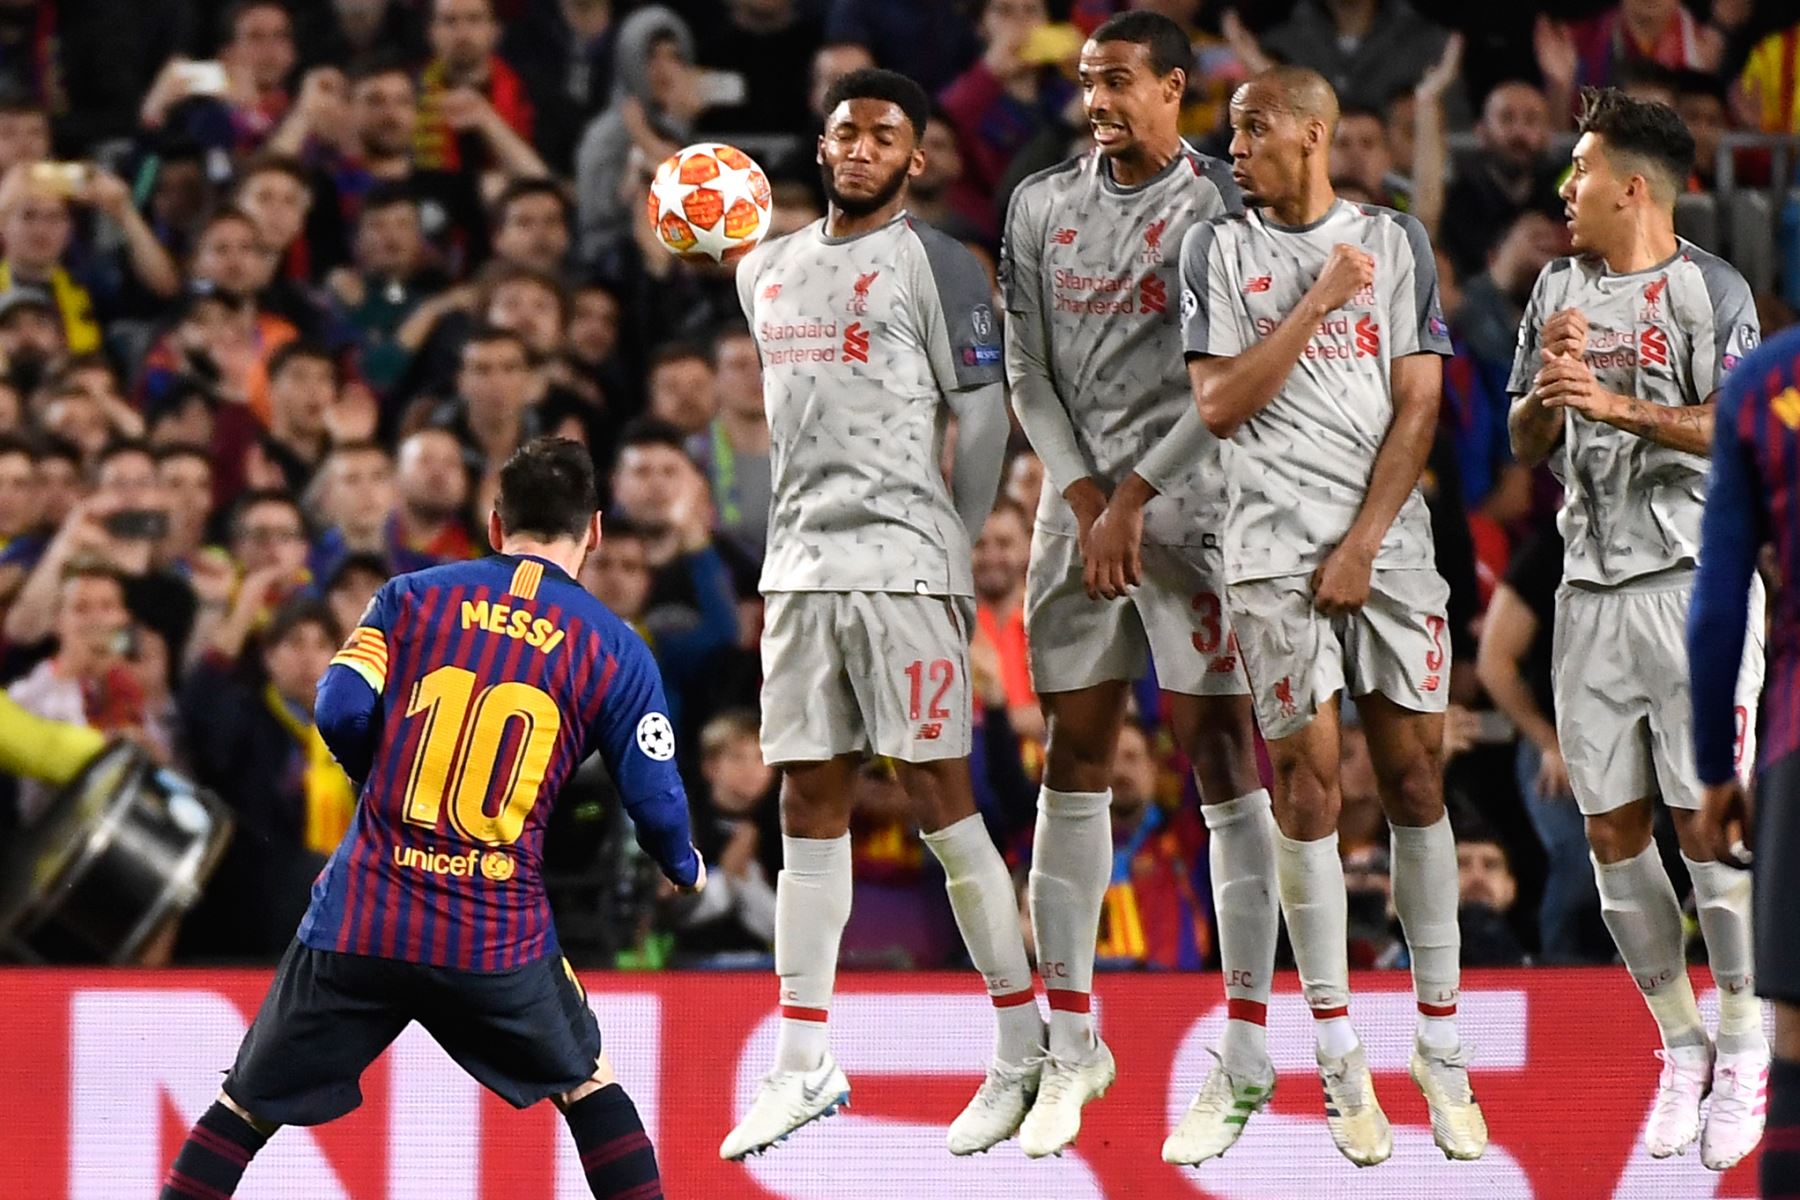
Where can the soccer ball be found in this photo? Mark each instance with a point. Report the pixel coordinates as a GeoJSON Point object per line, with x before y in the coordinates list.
{"type": "Point", "coordinates": [711, 201]}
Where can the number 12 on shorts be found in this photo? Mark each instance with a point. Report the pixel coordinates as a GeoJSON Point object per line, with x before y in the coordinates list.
{"type": "Point", "coordinates": [942, 672]}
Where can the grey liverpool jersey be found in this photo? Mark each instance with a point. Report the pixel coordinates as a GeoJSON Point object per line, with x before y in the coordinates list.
{"type": "Point", "coordinates": [1090, 274]}
{"type": "Point", "coordinates": [1667, 336]}
{"type": "Point", "coordinates": [861, 340]}
{"type": "Point", "coordinates": [1299, 469]}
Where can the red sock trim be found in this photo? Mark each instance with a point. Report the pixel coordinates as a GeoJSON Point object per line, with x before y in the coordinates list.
{"type": "Point", "coordinates": [651, 1190]}
{"type": "Point", "coordinates": [793, 1012]}
{"type": "Point", "coordinates": [193, 1187]}
{"type": "Point", "coordinates": [607, 1153]}
{"type": "Point", "coordinates": [1437, 1010]}
{"type": "Point", "coordinates": [1253, 1011]}
{"type": "Point", "coordinates": [211, 1142]}
{"type": "Point", "coordinates": [1063, 1000]}
{"type": "Point", "coordinates": [1013, 999]}
{"type": "Point", "coordinates": [1329, 1014]}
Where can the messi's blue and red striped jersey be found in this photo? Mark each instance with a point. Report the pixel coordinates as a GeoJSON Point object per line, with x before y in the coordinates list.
{"type": "Point", "coordinates": [465, 697]}
{"type": "Point", "coordinates": [1752, 499]}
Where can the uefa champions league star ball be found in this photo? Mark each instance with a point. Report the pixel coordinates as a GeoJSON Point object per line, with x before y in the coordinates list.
{"type": "Point", "coordinates": [710, 201]}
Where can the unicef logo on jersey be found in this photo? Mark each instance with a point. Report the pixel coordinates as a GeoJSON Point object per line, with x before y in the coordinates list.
{"type": "Point", "coordinates": [655, 737]}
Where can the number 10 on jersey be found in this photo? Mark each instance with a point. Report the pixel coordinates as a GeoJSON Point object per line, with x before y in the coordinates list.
{"type": "Point", "coordinates": [459, 748]}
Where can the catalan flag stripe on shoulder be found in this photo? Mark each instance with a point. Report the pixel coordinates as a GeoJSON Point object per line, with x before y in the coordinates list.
{"type": "Point", "coordinates": [525, 580]}
{"type": "Point", "coordinates": [365, 652]}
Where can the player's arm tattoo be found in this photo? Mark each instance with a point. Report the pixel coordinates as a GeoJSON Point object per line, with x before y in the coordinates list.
{"type": "Point", "coordinates": [1533, 429]}
{"type": "Point", "coordinates": [1688, 428]}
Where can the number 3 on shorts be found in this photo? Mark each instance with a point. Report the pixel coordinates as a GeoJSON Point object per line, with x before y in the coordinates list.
{"type": "Point", "coordinates": [1207, 637]}
{"type": "Point", "coordinates": [942, 673]}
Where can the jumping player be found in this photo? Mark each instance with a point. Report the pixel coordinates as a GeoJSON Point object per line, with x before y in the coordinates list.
{"type": "Point", "coordinates": [463, 699]}
{"type": "Point", "coordinates": [1621, 355]}
{"type": "Point", "coordinates": [1750, 500]}
{"type": "Point", "coordinates": [1313, 337]}
{"type": "Point", "coordinates": [1126, 563]}
{"type": "Point", "coordinates": [874, 331]}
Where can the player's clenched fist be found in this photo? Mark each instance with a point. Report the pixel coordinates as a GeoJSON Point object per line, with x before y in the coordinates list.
{"type": "Point", "coordinates": [1565, 334]}
{"type": "Point", "coordinates": [1348, 271]}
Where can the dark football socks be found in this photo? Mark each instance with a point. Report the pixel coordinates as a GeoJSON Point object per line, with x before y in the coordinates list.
{"type": "Point", "coordinates": [213, 1158]}
{"type": "Point", "coordinates": [616, 1154]}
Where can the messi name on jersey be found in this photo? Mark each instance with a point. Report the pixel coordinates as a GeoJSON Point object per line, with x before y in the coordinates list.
{"type": "Point", "coordinates": [507, 621]}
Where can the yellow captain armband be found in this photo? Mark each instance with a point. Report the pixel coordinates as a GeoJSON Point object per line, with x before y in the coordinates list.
{"type": "Point", "coordinates": [365, 652]}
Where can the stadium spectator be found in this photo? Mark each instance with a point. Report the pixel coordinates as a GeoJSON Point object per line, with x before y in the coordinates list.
{"type": "Point", "coordinates": [1493, 302]}
{"type": "Point", "coordinates": [1368, 50]}
{"type": "Point", "coordinates": [86, 681]}
{"type": "Point", "coordinates": [1362, 162]}
{"type": "Point", "coordinates": [683, 389]}
{"type": "Point", "coordinates": [234, 103]}
{"type": "Point", "coordinates": [942, 194]}
{"type": "Point", "coordinates": [1152, 914]}
{"type": "Point", "coordinates": [185, 473]}
{"type": "Point", "coordinates": [1766, 91]}
{"type": "Point", "coordinates": [734, 830]}
{"type": "Point", "coordinates": [352, 584]}
{"type": "Point", "coordinates": [120, 525]}
{"type": "Point", "coordinates": [303, 390]}
{"type": "Point", "coordinates": [430, 524]}
{"type": "Point", "coordinates": [563, 51]}
{"type": "Point", "coordinates": [762, 50]}
{"type": "Point", "coordinates": [1510, 172]}
{"type": "Point", "coordinates": [390, 275]}
{"type": "Point", "coordinates": [733, 450]}
{"type": "Point", "coordinates": [1012, 92]}
{"type": "Point", "coordinates": [690, 618]}
{"type": "Point", "coordinates": [21, 505]}
{"type": "Point", "coordinates": [656, 98]}
{"type": "Point", "coordinates": [252, 739]}
{"type": "Point", "coordinates": [1514, 665]}
{"type": "Point", "coordinates": [1001, 554]}
{"type": "Point", "coordinates": [830, 63]}
{"type": "Point", "coordinates": [352, 501]}
{"type": "Point", "coordinates": [470, 100]}
{"type": "Point", "coordinates": [1487, 889]}
{"type": "Point", "coordinates": [491, 414]}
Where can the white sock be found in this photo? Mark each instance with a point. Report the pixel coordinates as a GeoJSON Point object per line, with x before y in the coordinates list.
{"type": "Point", "coordinates": [1722, 897]}
{"type": "Point", "coordinates": [812, 903]}
{"type": "Point", "coordinates": [1071, 865]}
{"type": "Point", "coordinates": [1425, 897]}
{"type": "Point", "coordinates": [1241, 852]}
{"type": "Point", "coordinates": [1311, 878]}
{"type": "Point", "coordinates": [1638, 901]}
{"type": "Point", "coordinates": [981, 896]}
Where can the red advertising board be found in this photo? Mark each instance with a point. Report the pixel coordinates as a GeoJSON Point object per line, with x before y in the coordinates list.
{"type": "Point", "coordinates": [103, 1071]}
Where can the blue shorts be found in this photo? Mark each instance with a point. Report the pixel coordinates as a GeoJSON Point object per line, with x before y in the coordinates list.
{"type": "Point", "coordinates": [524, 1034]}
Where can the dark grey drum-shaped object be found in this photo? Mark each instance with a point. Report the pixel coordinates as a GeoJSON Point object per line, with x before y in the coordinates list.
{"type": "Point", "coordinates": [123, 849]}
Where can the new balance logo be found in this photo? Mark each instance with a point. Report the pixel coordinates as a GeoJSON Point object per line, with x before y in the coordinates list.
{"type": "Point", "coordinates": [772, 291]}
{"type": "Point", "coordinates": [1368, 337]}
{"type": "Point", "coordinates": [856, 343]}
{"type": "Point", "coordinates": [931, 731]}
{"type": "Point", "coordinates": [1259, 283]}
{"type": "Point", "coordinates": [1063, 237]}
{"type": "Point", "coordinates": [1653, 347]}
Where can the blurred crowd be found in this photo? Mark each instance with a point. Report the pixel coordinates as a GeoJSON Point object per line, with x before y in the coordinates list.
{"type": "Point", "coordinates": [283, 282]}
